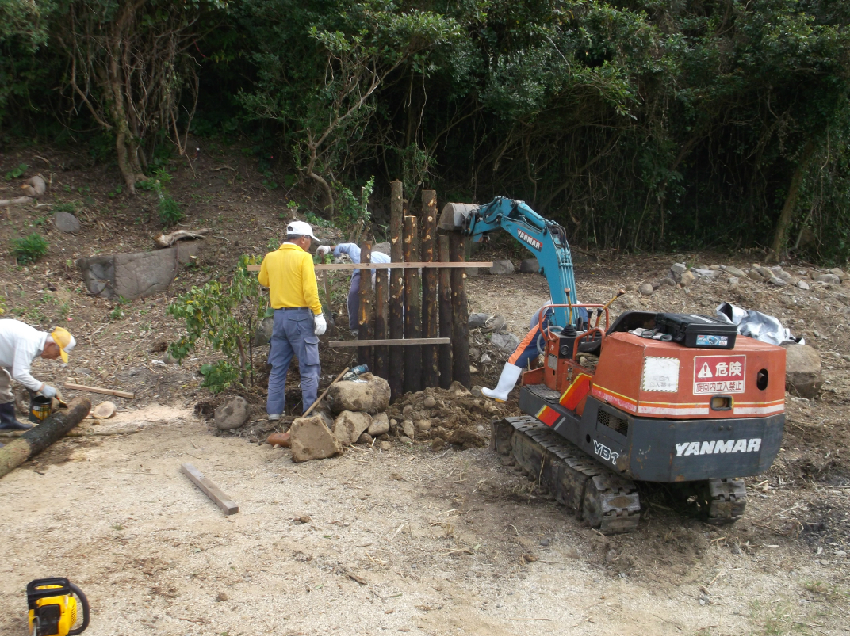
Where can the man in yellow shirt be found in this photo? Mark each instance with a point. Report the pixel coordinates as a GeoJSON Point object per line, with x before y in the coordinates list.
{"type": "Point", "coordinates": [290, 276]}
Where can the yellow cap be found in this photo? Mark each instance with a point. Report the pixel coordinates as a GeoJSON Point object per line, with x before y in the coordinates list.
{"type": "Point", "coordinates": [64, 340]}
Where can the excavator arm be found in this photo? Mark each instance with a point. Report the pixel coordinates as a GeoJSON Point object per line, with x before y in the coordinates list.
{"type": "Point", "coordinates": [545, 239]}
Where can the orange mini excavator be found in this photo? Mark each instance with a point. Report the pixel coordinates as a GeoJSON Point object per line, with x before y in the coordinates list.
{"type": "Point", "coordinates": [657, 397]}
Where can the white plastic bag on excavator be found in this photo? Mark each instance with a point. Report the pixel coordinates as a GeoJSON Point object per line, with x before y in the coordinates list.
{"type": "Point", "coordinates": [756, 325]}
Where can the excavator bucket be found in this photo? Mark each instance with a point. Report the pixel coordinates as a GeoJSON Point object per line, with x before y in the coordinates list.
{"type": "Point", "coordinates": [454, 215]}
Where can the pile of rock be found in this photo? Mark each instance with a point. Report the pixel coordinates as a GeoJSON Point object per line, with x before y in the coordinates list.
{"type": "Point", "coordinates": [352, 412]}
{"type": "Point", "coordinates": [453, 416]}
{"type": "Point", "coordinates": [681, 275]}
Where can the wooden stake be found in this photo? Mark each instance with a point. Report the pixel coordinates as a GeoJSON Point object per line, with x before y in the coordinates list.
{"type": "Point", "coordinates": [367, 308]}
{"type": "Point", "coordinates": [396, 324]}
{"type": "Point", "coordinates": [460, 315]}
{"type": "Point", "coordinates": [382, 314]}
{"type": "Point", "coordinates": [430, 323]}
{"type": "Point", "coordinates": [97, 389]}
{"type": "Point", "coordinates": [412, 308]}
{"type": "Point", "coordinates": [445, 311]}
{"type": "Point", "coordinates": [227, 505]}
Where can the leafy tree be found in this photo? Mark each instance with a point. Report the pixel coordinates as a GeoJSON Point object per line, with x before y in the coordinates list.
{"type": "Point", "coordinates": [128, 63]}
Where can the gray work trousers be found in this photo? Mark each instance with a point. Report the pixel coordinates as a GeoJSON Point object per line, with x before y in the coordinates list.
{"type": "Point", "coordinates": [293, 335]}
{"type": "Point", "coordinates": [6, 394]}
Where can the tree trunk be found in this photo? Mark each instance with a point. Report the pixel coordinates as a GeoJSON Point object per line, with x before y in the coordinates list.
{"type": "Point", "coordinates": [787, 214]}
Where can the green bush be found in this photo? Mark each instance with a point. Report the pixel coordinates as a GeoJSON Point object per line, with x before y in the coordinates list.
{"type": "Point", "coordinates": [222, 315]}
{"type": "Point", "coordinates": [219, 376]}
{"type": "Point", "coordinates": [29, 248]}
{"type": "Point", "coordinates": [169, 212]}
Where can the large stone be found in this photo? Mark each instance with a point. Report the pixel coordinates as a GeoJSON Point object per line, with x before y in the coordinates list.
{"type": "Point", "coordinates": [371, 396]}
{"type": "Point", "coordinates": [831, 279]}
{"type": "Point", "coordinates": [380, 425]}
{"type": "Point", "coordinates": [646, 289]}
{"type": "Point", "coordinates": [802, 370]}
{"type": "Point", "coordinates": [495, 323]}
{"type": "Point", "coordinates": [231, 414]}
{"type": "Point", "coordinates": [409, 429]}
{"type": "Point", "coordinates": [734, 271]}
{"type": "Point", "coordinates": [477, 320]}
{"type": "Point", "coordinates": [677, 270]}
{"type": "Point", "coordinates": [686, 279]}
{"type": "Point", "coordinates": [505, 341]}
{"type": "Point", "coordinates": [311, 439]}
{"type": "Point", "coordinates": [502, 267]}
{"type": "Point", "coordinates": [838, 272]}
{"type": "Point", "coordinates": [264, 331]}
{"type": "Point", "coordinates": [776, 280]}
{"type": "Point", "coordinates": [66, 222]}
{"type": "Point", "coordinates": [529, 266]}
{"type": "Point", "coordinates": [350, 425]}
{"type": "Point", "coordinates": [803, 284]}
{"type": "Point", "coordinates": [135, 275]}
{"type": "Point", "coordinates": [706, 273]}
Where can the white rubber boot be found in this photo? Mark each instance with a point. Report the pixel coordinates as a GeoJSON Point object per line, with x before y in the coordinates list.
{"type": "Point", "coordinates": [507, 381]}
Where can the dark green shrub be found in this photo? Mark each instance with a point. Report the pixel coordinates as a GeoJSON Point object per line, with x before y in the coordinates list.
{"type": "Point", "coordinates": [29, 248]}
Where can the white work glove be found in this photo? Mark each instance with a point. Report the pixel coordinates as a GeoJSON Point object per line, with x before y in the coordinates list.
{"type": "Point", "coordinates": [320, 324]}
{"type": "Point", "coordinates": [48, 391]}
{"type": "Point", "coordinates": [323, 249]}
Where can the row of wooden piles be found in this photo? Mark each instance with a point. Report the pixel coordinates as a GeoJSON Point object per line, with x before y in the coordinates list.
{"type": "Point", "coordinates": [405, 303]}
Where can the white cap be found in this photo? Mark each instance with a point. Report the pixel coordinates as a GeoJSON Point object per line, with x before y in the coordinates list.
{"type": "Point", "coordinates": [300, 228]}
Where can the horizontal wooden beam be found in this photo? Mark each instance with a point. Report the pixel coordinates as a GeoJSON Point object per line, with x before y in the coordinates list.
{"type": "Point", "coordinates": [397, 342]}
{"type": "Point", "coordinates": [351, 266]}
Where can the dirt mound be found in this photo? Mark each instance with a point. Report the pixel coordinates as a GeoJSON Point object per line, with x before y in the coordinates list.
{"type": "Point", "coordinates": [453, 416]}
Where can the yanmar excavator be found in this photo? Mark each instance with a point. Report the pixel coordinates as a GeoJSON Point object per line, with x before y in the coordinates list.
{"type": "Point", "coordinates": [656, 397]}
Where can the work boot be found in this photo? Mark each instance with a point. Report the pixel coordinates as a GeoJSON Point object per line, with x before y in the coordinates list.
{"type": "Point", "coordinates": [8, 422]}
{"type": "Point", "coordinates": [507, 381]}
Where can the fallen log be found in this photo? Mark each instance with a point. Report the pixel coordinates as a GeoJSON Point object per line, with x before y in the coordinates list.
{"type": "Point", "coordinates": [86, 432]}
{"type": "Point", "coordinates": [15, 201]}
{"type": "Point", "coordinates": [167, 240]}
{"type": "Point", "coordinates": [36, 439]}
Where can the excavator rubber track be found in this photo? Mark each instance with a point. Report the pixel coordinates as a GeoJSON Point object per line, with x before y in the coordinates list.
{"type": "Point", "coordinates": [599, 497]}
{"type": "Point", "coordinates": [726, 499]}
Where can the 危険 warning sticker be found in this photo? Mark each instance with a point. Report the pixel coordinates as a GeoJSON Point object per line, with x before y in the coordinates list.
{"type": "Point", "coordinates": [719, 374]}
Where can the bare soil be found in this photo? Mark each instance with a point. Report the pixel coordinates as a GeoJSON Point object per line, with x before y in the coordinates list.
{"type": "Point", "coordinates": [413, 539]}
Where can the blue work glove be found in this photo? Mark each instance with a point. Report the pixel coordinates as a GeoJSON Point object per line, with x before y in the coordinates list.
{"type": "Point", "coordinates": [320, 324]}
{"type": "Point", "coordinates": [48, 391]}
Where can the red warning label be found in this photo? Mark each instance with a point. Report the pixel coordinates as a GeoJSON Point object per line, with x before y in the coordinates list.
{"type": "Point", "coordinates": [719, 374]}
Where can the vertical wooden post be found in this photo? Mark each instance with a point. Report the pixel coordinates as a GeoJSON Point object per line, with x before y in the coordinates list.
{"type": "Point", "coordinates": [366, 313]}
{"type": "Point", "coordinates": [382, 310]}
{"type": "Point", "coordinates": [412, 307]}
{"type": "Point", "coordinates": [430, 325]}
{"type": "Point", "coordinates": [445, 351]}
{"type": "Point", "coordinates": [396, 324]}
{"type": "Point", "coordinates": [460, 315]}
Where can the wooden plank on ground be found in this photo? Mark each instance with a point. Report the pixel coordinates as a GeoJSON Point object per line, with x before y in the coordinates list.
{"type": "Point", "coordinates": [390, 342]}
{"type": "Point", "coordinates": [227, 505]}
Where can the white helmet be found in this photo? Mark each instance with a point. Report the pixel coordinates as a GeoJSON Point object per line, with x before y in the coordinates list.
{"type": "Point", "coordinates": [300, 228]}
